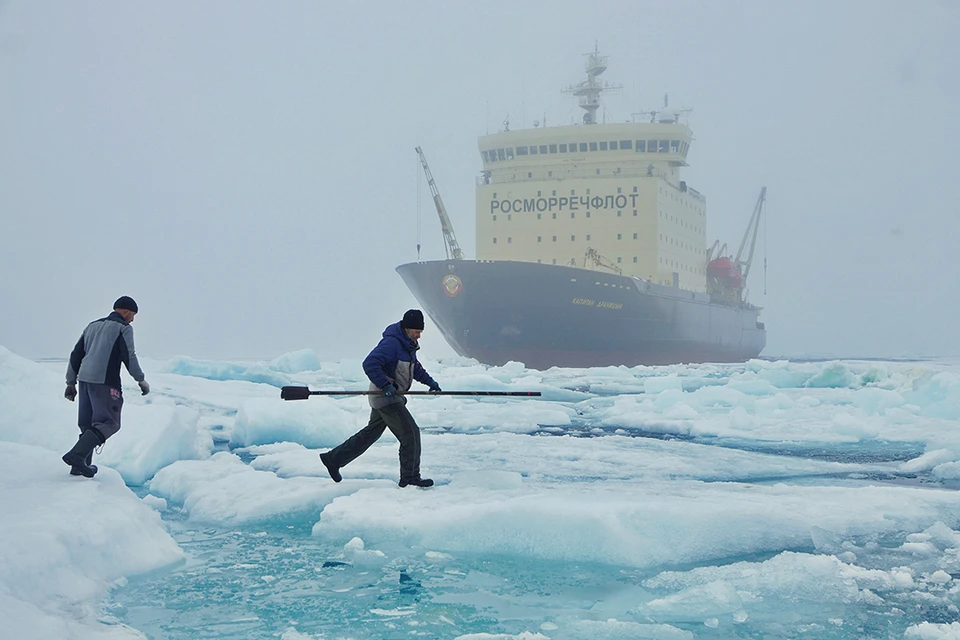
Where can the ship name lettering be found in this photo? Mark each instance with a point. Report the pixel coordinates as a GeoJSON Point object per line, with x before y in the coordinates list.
{"type": "Point", "coordinates": [572, 203]}
{"type": "Point", "coordinates": [610, 305]}
{"type": "Point", "coordinates": [584, 301]}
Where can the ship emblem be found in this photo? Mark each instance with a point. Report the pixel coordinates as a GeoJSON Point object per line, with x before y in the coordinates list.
{"type": "Point", "coordinates": [452, 285]}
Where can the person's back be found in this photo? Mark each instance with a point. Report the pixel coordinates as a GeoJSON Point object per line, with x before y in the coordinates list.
{"type": "Point", "coordinates": [103, 346]}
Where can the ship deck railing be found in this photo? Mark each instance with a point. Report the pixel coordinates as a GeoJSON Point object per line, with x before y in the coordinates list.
{"type": "Point", "coordinates": [539, 176]}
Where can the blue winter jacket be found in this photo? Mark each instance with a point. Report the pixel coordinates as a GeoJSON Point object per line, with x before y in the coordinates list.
{"type": "Point", "coordinates": [394, 361]}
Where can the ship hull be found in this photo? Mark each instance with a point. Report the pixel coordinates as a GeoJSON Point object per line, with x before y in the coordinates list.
{"type": "Point", "coordinates": [550, 315]}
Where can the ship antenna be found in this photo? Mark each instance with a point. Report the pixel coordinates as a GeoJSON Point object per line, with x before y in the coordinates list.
{"type": "Point", "coordinates": [590, 89]}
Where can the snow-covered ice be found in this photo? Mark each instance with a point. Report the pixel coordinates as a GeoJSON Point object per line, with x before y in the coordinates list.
{"type": "Point", "coordinates": [766, 499]}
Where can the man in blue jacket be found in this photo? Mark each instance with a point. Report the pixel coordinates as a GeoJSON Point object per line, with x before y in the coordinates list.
{"type": "Point", "coordinates": [392, 367]}
{"type": "Point", "coordinates": [95, 363]}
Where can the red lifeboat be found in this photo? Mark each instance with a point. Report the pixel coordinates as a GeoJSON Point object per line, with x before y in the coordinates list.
{"type": "Point", "coordinates": [725, 271]}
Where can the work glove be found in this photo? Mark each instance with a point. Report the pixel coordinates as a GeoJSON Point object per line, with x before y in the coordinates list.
{"type": "Point", "coordinates": [144, 387]}
{"type": "Point", "coordinates": [71, 392]}
{"type": "Point", "coordinates": [390, 391]}
{"type": "Point", "coordinates": [435, 388]}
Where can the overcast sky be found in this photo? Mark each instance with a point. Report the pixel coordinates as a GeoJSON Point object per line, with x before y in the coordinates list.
{"type": "Point", "coordinates": [246, 170]}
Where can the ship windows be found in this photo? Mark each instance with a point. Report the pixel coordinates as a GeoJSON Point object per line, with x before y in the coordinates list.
{"type": "Point", "coordinates": [509, 216]}
{"type": "Point", "coordinates": [619, 236]}
{"type": "Point", "coordinates": [554, 239]}
{"type": "Point", "coordinates": [619, 214]}
{"type": "Point", "coordinates": [664, 146]}
{"type": "Point", "coordinates": [484, 154]}
{"type": "Point", "coordinates": [554, 261]}
{"type": "Point", "coordinates": [593, 146]}
{"type": "Point", "coordinates": [573, 262]}
{"type": "Point", "coordinates": [603, 145]}
{"type": "Point", "coordinates": [521, 151]}
{"type": "Point", "coordinates": [494, 241]}
{"type": "Point", "coordinates": [588, 237]}
{"type": "Point", "coordinates": [533, 150]}
{"type": "Point", "coordinates": [619, 260]}
{"type": "Point", "coordinates": [675, 146]}
{"type": "Point", "coordinates": [563, 148]}
{"type": "Point", "coordinates": [573, 147]}
{"type": "Point", "coordinates": [634, 212]}
{"type": "Point", "coordinates": [573, 238]}
{"type": "Point", "coordinates": [573, 214]}
{"type": "Point", "coordinates": [539, 215]}
{"type": "Point", "coordinates": [494, 217]}
{"type": "Point", "coordinates": [626, 144]}
{"type": "Point", "coordinates": [634, 236]}
{"type": "Point", "coordinates": [651, 146]}
{"type": "Point", "coordinates": [554, 216]}
{"type": "Point", "coordinates": [554, 192]}
{"type": "Point", "coordinates": [641, 146]}
{"type": "Point", "coordinates": [539, 238]}
{"type": "Point", "coordinates": [509, 240]}
{"type": "Point", "coordinates": [588, 214]}
{"type": "Point", "coordinates": [501, 155]}
{"type": "Point", "coordinates": [553, 148]}
{"type": "Point", "coordinates": [583, 147]}
{"type": "Point", "coordinates": [543, 148]}
{"type": "Point", "coordinates": [634, 259]}
{"type": "Point", "coordinates": [509, 153]}
{"type": "Point", "coordinates": [613, 145]}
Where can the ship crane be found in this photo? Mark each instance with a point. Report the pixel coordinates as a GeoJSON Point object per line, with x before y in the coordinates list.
{"type": "Point", "coordinates": [727, 275]}
{"type": "Point", "coordinates": [598, 260]}
{"type": "Point", "coordinates": [449, 238]}
{"type": "Point", "coordinates": [744, 265]}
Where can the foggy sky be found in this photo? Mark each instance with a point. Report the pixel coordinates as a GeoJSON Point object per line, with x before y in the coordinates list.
{"type": "Point", "coordinates": [246, 170]}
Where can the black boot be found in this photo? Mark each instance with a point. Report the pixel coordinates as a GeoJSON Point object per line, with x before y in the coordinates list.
{"type": "Point", "coordinates": [75, 471]}
{"type": "Point", "coordinates": [417, 482]}
{"type": "Point", "coordinates": [332, 469]}
{"type": "Point", "coordinates": [78, 456]}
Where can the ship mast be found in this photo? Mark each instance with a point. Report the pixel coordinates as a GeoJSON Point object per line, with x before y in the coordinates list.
{"type": "Point", "coordinates": [449, 239]}
{"type": "Point", "coordinates": [590, 89]}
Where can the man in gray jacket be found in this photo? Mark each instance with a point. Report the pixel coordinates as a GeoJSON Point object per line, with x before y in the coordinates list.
{"type": "Point", "coordinates": [95, 363]}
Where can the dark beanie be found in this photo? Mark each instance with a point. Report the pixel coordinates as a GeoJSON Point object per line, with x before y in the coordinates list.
{"type": "Point", "coordinates": [412, 319]}
{"type": "Point", "coordinates": [125, 302]}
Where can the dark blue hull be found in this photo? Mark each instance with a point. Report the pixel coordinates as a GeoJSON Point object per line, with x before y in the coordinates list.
{"type": "Point", "coordinates": [556, 316]}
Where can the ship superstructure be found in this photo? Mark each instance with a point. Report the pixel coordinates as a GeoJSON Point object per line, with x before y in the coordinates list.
{"type": "Point", "coordinates": [559, 195]}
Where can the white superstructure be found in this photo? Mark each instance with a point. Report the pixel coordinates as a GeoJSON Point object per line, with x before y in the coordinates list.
{"type": "Point", "coordinates": [606, 196]}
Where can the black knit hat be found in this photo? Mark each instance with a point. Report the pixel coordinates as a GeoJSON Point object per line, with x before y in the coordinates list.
{"type": "Point", "coordinates": [412, 319]}
{"type": "Point", "coordinates": [125, 302]}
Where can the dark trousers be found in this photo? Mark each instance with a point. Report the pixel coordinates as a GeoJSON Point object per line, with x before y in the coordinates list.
{"type": "Point", "coordinates": [99, 409]}
{"type": "Point", "coordinates": [396, 418]}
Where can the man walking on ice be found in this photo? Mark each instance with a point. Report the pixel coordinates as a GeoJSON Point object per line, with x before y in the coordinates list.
{"type": "Point", "coordinates": [95, 363]}
{"type": "Point", "coordinates": [392, 367]}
